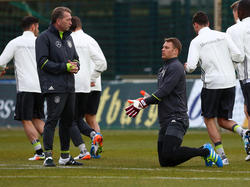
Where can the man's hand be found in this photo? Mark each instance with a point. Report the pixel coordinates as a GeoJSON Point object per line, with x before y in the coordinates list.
{"type": "Point", "coordinates": [135, 108]}
{"type": "Point", "coordinates": [92, 84]}
{"type": "Point", "coordinates": [72, 67]}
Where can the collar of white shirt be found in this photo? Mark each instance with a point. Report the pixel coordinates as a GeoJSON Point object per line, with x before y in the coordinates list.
{"type": "Point", "coordinates": [204, 29]}
{"type": "Point", "coordinates": [246, 19]}
{"type": "Point", "coordinates": [28, 33]}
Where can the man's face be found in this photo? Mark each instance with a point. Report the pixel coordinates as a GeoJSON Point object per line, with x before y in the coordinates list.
{"type": "Point", "coordinates": [36, 29]}
{"type": "Point", "coordinates": [65, 23]}
{"type": "Point", "coordinates": [168, 51]}
{"type": "Point", "coordinates": [235, 13]}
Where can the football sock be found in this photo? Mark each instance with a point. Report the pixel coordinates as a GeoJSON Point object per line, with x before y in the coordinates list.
{"type": "Point", "coordinates": [82, 148]}
{"type": "Point", "coordinates": [65, 154]}
{"type": "Point", "coordinates": [237, 128]}
{"type": "Point", "coordinates": [37, 146]}
{"type": "Point", "coordinates": [220, 150]}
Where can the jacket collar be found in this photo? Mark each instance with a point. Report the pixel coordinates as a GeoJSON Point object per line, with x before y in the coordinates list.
{"type": "Point", "coordinates": [171, 60]}
{"type": "Point", "coordinates": [52, 28]}
{"type": "Point", "coordinates": [203, 30]}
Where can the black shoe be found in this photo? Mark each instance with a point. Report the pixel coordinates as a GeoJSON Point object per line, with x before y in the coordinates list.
{"type": "Point", "coordinates": [69, 162]}
{"type": "Point", "coordinates": [48, 162]}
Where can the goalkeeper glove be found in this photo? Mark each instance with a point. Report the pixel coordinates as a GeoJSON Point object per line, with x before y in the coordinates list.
{"type": "Point", "coordinates": [135, 108]}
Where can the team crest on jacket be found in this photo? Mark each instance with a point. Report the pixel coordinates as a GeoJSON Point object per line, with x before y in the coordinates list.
{"type": "Point", "coordinates": [57, 99]}
{"type": "Point", "coordinates": [58, 44]}
{"type": "Point", "coordinates": [69, 43]}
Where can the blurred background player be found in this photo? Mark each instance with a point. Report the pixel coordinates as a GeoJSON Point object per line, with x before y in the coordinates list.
{"type": "Point", "coordinates": [172, 111]}
{"type": "Point", "coordinates": [57, 62]}
{"type": "Point", "coordinates": [90, 55]}
{"type": "Point", "coordinates": [236, 32]}
{"type": "Point", "coordinates": [29, 101]}
{"type": "Point", "coordinates": [215, 51]}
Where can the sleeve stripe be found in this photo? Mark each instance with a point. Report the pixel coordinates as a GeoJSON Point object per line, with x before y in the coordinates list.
{"type": "Point", "coordinates": [156, 97]}
{"type": "Point", "coordinates": [44, 63]}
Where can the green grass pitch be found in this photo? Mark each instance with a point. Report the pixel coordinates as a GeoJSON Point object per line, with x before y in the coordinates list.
{"type": "Point", "coordinates": [129, 159]}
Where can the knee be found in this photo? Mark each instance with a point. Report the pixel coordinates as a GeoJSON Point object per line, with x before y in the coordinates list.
{"type": "Point", "coordinates": [221, 121]}
{"type": "Point", "coordinates": [167, 159]}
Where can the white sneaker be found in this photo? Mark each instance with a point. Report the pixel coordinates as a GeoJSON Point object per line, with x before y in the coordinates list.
{"type": "Point", "coordinates": [69, 161]}
{"type": "Point", "coordinates": [247, 158]}
{"type": "Point", "coordinates": [83, 156]}
{"type": "Point", "coordinates": [37, 157]}
{"type": "Point", "coordinates": [225, 161]}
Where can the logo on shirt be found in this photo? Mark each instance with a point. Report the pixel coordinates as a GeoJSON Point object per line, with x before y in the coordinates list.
{"type": "Point", "coordinates": [69, 43]}
{"type": "Point", "coordinates": [162, 73]}
{"type": "Point", "coordinates": [58, 44]}
{"type": "Point", "coordinates": [51, 88]}
{"type": "Point", "coordinates": [57, 99]}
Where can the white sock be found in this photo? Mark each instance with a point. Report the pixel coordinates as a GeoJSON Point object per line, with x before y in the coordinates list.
{"type": "Point", "coordinates": [82, 147]}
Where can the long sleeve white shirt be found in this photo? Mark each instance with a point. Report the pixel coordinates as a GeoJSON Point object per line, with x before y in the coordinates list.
{"type": "Point", "coordinates": [240, 33]}
{"type": "Point", "coordinates": [22, 50]}
{"type": "Point", "coordinates": [214, 51]}
{"type": "Point", "coordinates": [92, 62]}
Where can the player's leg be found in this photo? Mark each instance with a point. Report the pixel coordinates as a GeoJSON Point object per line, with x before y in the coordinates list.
{"type": "Point", "coordinates": [91, 110]}
{"type": "Point", "coordinates": [246, 136]}
{"type": "Point", "coordinates": [225, 113]}
{"type": "Point", "coordinates": [91, 120]}
{"type": "Point", "coordinates": [38, 115]}
{"type": "Point", "coordinates": [55, 106]}
{"type": "Point", "coordinates": [67, 117]}
{"type": "Point", "coordinates": [170, 152]}
{"type": "Point", "coordinates": [78, 142]}
{"type": "Point", "coordinates": [210, 107]}
{"type": "Point", "coordinates": [24, 112]}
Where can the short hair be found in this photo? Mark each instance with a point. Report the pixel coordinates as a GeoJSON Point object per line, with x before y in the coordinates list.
{"type": "Point", "coordinates": [234, 6]}
{"type": "Point", "coordinates": [200, 18]}
{"type": "Point", "coordinates": [27, 21]}
{"type": "Point", "coordinates": [76, 23]}
{"type": "Point", "coordinates": [176, 43]}
{"type": "Point", "coordinates": [58, 12]}
{"type": "Point", "coordinates": [244, 9]}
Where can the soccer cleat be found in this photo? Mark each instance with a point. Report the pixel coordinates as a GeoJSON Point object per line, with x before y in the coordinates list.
{"type": "Point", "coordinates": [97, 144]}
{"type": "Point", "coordinates": [225, 161]}
{"type": "Point", "coordinates": [83, 156]}
{"type": "Point", "coordinates": [246, 140]}
{"type": "Point", "coordinates": [69, 162]}
{"type": "Point", "coordinates": [208, 162]}
{"type": "Point", "coordinates": [213, 156]}
{"type": "Point", "coordinates": [247, 158]}
{"type": "Point", "coordinates": [48, 162]}
{"type": "Point", "coordinates": [38, 157]}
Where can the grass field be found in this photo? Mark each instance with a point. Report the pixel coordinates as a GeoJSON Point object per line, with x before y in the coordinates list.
{"type": "Point", "coordinates": [129, 159]}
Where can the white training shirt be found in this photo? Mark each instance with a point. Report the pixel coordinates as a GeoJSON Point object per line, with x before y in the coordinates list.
{"type": "Point", "coordinates": [92, 62]}
{"type": "Point", "coordinates": [214, 51]}
{"type": "Point", "coordinates": [22, 49]}
{"type": "Point", "coordinates": [240, 33]}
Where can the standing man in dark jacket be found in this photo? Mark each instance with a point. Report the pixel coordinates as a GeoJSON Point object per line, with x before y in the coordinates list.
{"type": "Point", "coordinates": [57, 61]}
{"type": "Point", "coordinates": [172, 111]}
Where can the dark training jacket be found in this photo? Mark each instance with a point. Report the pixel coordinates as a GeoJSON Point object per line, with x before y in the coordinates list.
{"type": "Point", "coordinates": [52, 54]}
{"type": "Point", "coordinates": [171, 93]}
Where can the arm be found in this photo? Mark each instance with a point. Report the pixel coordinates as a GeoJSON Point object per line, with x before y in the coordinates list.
{"type": "Point", "coordinates": [98, 59]}
{"type": "Point", "coordinates": [236, 50]}
{"type": "Point", "coordinates": [193, 57]}
{"type": "Point", "coordinates": [42, 57]}
{"type": "Point", "coordinates": [7, 54]}
{"type": "Point", "coordinates": [171, 79]}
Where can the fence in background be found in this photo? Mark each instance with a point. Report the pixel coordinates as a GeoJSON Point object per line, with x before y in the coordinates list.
{"type": "Point", "coordinates": [130, 32]}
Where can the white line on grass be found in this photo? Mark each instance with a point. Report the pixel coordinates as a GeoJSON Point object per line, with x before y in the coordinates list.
{"type": "Point", "coordinates": [129, 177]}
{"type": "Point", "coordinates": [27, 167]}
